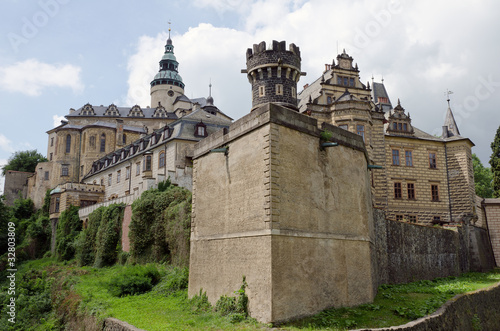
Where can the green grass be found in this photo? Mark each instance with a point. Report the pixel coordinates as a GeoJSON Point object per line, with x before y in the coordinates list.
{"type": "Point", "coordinates": [397, 304]}
{"type": "Point", "coordinates": [168, 308]}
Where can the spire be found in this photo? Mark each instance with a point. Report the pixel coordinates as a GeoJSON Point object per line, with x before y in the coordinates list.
{"type": "Point", "coordinates": [168, 73]}
{"type": "Point", "coordinates": [210, 100]}
{"type": "Point", "coordinates": [449, 121]}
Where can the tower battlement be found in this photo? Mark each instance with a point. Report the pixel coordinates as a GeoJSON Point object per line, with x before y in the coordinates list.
{"type": "Point", "coordinates": [274, 73]}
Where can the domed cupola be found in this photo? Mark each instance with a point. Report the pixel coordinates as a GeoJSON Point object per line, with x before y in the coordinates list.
{"type": "Point", "coordinates": [167, 86]}
{"type": "Point", "coordinates": [168, 73]}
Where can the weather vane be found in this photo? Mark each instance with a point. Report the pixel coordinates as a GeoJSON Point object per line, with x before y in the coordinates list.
{"type": "Point", "coordinates": [447, 93]}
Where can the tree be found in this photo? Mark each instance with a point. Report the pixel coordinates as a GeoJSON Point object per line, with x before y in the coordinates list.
{"type": "Point", "coordinates": [23, 161]}
{"type": "Point", "coordinates": [495, 164]}
{"type": "Point", "coordinates": [483, 178]}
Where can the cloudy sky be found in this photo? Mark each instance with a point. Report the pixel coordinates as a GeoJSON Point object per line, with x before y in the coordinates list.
{"type": "Point", "coordinates": [60, 54]}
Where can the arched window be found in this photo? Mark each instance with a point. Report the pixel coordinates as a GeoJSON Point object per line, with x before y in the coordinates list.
{"type": "Point", "coordinates": [68, 143]}
{"type": "Point", "coordinates": [161, 160]}
{"type": "Point", "coordinates": [103, 143]}
{"type": "Point", "coordinates": [124, 139]}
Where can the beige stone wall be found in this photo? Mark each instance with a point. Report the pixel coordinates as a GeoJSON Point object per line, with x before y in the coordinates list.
{"type": "Point", "coordinates": [421, 175]}
{"type": "Point", "coordinates": [295, 220]}
{"type": "Point", "coordinates": [461, 177]}
{"type": "Point", "coordinates": [38, 184]}
{"type": "Point", "coordinates": [492, 208]}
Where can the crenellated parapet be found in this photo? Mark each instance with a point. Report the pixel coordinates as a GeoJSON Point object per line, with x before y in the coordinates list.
{"type": "Point", "coordinates": [274, 74]}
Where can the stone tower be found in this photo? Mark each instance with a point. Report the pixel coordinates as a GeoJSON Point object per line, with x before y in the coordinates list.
{"type": "Point", "coordinates": [167, 85]}
{"type": "Point", "coordinates": [274, 74]}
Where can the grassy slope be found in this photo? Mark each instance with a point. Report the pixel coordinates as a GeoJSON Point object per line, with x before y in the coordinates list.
{"type": "Point", "coordinates": [158, 310]}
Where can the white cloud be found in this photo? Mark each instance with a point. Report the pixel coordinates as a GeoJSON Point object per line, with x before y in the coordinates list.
{"type": "Point", "coordinates": [57, 120]}
{"type": "Point", "coordinates": [31, 76]}
{"type": "Point", "coordinates": [6, 144]}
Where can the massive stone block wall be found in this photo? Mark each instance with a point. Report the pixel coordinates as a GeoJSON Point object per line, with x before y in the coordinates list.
{"type": "Point", "coordinates": [492, 209]}
{"type": "Point", "coordinates": [16, 182]}
{"type": "Point", "coordinates": [408, 252]}
{"type": "Point", "coordinates": [294, 219]}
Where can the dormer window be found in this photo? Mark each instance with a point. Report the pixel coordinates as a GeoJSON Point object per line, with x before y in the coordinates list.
{"type": "Point", "coordinates": [136, 111]}
{"type": "Point", "coordinates": [112, 111]}
{"type": "Point", "coordinates": [200, 130]}
{"type": "Point", "coordinates": [87, 110]}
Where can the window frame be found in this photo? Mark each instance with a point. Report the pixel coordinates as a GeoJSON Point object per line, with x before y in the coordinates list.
{"type": "Point", "coordinates": [162, 159]}
{"type": "Point", "coordinates": [68, 143]}
{"type": "Point", "coordinates": [102, 143]}
{"type": "Point", "coordinates": [409, 158]}
{"type": "Point", "coordinates": [398, 190]}
{"type": "Point", "coordinates": [118, 176]}
{"type": "Point", "coordinates": [432, 160]}
{"type": "Point", "coordinates": [395, 157]}
{"type": "Point", "coordinates": [410, 189]}
{"type": "Point", "coordinates": [64, 170]}
{"type": "Point", "coordinates": [435, 192]}
{"type": "Point", "coordinates": [362, 131]}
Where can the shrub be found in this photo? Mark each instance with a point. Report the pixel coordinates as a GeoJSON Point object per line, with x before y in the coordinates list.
{"type": "Point", "coordinates": [175, 280]}
{"type": "Point", "coordinates": [237, 306]}
{"type": "Point", "coordinates": [134, 280]}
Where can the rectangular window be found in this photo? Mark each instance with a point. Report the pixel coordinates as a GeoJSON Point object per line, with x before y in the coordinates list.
{"type": "Point", "coordinates": [102, 181]}
{"type": "Point", "coordinates": [339, 80]}
{"type": "Point", "coordinates": [361, 131]}
{"type": "Point", "coordinates": [262, 91]}
{"type": "Point", "coordinates": [127, 172]}
{"type": "Point", "coordinates": [65, 170]}
{"type": "Point", "coordinates": [411, 191]}
{"type": "Point", "coordinates": [409, 158]}
{"type": "Point", "coordinates": [50, 157]}
{"type": "Point", "coordinates": [46, 176]}
{"type": "Point", "coordinates": [432, 161]}
{"type": "Point", "coordinates": [345, 82]}
{"type": "Point", "coordinates": [344, 126]}
{"type": "Point", "coordinates": [405, 127]}
{"type": "Point", "coordinates": [351, 82]}
{"type": "Point", "coordinates": [394, 126]}
{"type": "Point", "coordinates": [58, 201]}
{"type": "Point", "coordinates": [294, 92]}
{"type": "Point", "coordinates": [118, 176]}
{"type": "Point", "coordinates": [434, 193]}
{"type": "Point", "coordinates": [412, 218]}
{"type": "Point", "coordinates": [161, 160]}
{"type": "Point", "coordinates": [138, 169]}
{"type": "Point", "coordinates": [400, 126]}
{"type": "Point", "coordinates": [147, 163]}
{"type": "Point", "coordinates": [395, 157]}
{"type": "Point", "coordinates": [397, 191]}
{"type": "Point", "coordinates": [51, 141]}
{"type": "Point", "coordinates": [110, 179]}
{"type": "Point", "coordinates": [399, 217]}
{"type": "Point", "coordinates": [279, 89]}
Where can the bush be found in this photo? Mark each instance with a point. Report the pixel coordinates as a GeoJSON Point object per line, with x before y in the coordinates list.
{"type": "Point", "coordinates": [85, 245]}
{"type": "Point", "coordinates": [175, 280]}
{"type": "Point", "coordinates": [134, 280]}
{"type": "Point", "coordinates": [237, 306]}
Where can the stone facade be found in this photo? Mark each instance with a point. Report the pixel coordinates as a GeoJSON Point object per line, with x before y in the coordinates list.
{"type": "Point", "coordinates": [16, 184]}
{"type": "Point", "coordinates": [423, 178]}
{"type": "Point", "coordinates": [294, 218]}
{"type": "Point", "coordinates": [273, 73]}
{"type": "Point", "coordinates": [491, 209]}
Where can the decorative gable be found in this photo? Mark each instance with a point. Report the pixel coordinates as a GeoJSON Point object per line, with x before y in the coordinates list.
{"type": "Point", "coordinates": [112, 111]}
{"type": "Point", "coordinates": [399, 123]}
{"type": "Point", "coordinates": [136, 111]}
{"type": "Point", "coordinates": [160, 111]}
{"type": "Point", "coordinates": [87, 110]}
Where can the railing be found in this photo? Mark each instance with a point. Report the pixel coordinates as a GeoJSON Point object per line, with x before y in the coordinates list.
{"type": "Point", "coordinates": [127, 200]}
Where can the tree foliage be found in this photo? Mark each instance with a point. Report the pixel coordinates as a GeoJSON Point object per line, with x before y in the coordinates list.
{"type": "Point", "coordinates": [23, 161]}
{"type": "Point", "coordinates": [483, 178]}
{"type": "Point", "coordinates": [495, 164]}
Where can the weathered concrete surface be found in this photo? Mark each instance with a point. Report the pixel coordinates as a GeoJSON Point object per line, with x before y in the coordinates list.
{"type": "Point", "coordinates": [294, 219]}
{"type": "Point", "coordinates": [472, 311]}
{"type": "Point", "coordinates": [113, 324]}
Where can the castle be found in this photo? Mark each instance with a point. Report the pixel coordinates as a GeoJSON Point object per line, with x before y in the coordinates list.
{"type": "Point", "coordinates": [299, 185]}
